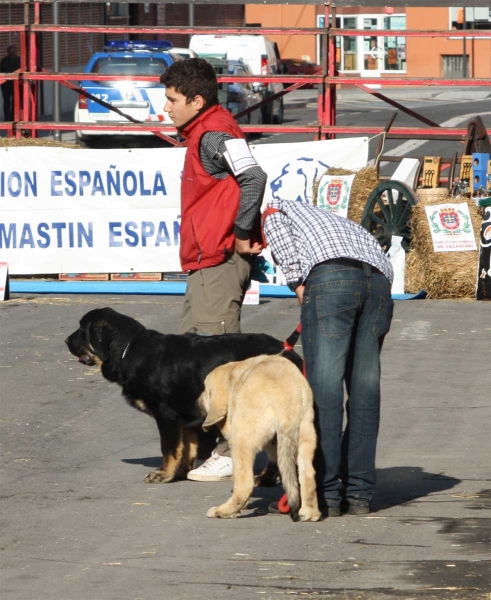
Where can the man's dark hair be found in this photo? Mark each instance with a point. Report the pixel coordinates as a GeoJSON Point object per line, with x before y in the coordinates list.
{"type": "Point", "coordinates": [192, 77]}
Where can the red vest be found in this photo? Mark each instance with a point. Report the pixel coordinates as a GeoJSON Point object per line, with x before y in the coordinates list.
{"type": "Point", "coordinates": [208, 205]}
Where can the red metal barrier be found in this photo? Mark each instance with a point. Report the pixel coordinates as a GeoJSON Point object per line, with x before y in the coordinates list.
{"type": "Point", "coordinates": [27, 80]}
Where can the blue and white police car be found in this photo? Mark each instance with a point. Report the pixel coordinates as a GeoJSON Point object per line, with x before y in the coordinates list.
{"type": "Point", "coordinates": [142, 100]}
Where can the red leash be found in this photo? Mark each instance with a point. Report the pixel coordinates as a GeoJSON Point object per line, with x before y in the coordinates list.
{"type": "Point", "coordinates": [290, 342]}
{"type": "Point", "coordinates": [288, 345]}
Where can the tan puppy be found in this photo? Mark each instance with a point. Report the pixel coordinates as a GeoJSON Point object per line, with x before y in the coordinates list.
{"type": "Point", "coordinates": [251, 402]}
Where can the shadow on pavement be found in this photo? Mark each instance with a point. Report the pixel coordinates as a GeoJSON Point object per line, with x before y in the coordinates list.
{"type": "Point", "coordinates": [395, 485]}
{"type": "Point", "coordinates": [153, 462]}
{"type": "Point", "coordinates": [398, 485]}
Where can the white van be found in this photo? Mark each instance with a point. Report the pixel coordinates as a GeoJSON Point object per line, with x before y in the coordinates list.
{"type": "Point", "coordinates": [257, 51]}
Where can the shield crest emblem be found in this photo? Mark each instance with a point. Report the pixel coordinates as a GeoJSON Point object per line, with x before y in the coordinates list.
{"type": "Point", "coordinates": [334, 192]}
{"type": "Point", "coordinates": [449, 219]}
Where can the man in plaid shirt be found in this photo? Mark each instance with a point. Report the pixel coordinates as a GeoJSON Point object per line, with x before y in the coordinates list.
{"type": "Point", "coordinates": [342, 279]}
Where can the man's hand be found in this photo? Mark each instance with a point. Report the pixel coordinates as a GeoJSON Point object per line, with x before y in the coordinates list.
{"type": "Point", "coordinates": [244, 247]}
{"type": "Point", "coordinates": [299, 291]}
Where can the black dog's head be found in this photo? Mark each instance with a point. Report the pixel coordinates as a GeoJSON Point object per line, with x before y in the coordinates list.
{"type": "Point", "coordinates": [99, 330]}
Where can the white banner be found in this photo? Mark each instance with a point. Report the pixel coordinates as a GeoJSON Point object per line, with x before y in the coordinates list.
{"type": "Point", "coordinates": [451, 227]}
{"type": "Point", "coordinates": [118, 211]}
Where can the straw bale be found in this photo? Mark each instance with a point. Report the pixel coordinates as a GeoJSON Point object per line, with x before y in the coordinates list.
{"type": "Point", "coordinates": [443, 275]}
{"type": "Point", "coordinates": [9, 142]}
{"type": "Point", "coordinates": [363, 184]}
{"type": "Point", "coordinates": [414, 275]}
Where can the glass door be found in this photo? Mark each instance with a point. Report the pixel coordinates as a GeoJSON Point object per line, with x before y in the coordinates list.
{"type": "Point", "coordinates": [373, 52]}
{"type": "Point", "coordinates": [395, 46]}
{"type": "Point", "coordinates": [347, 48]}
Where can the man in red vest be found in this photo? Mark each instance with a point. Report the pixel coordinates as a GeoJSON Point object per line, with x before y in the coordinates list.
{"type": "Point", "coordinates": [222, 189]}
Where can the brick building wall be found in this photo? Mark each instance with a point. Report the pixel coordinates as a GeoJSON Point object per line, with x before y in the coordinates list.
{"type": "Point", "coordinates": [11, 14]}
{"type": "Point", "coordinates": [205, 15]}
{"type": "Point", "coordinates": [426, 55]}
{"type": "Point", "coordinates": [76, 48]}
{"type": "Point", "coordinates": [274, 15]}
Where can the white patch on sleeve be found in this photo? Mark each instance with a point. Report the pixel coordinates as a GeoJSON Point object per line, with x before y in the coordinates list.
{"type": "Point", "coordinates": [239, 156]}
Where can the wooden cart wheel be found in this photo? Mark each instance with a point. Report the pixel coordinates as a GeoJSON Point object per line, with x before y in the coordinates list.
{"type": "Point", "coordinates": [388, 211]}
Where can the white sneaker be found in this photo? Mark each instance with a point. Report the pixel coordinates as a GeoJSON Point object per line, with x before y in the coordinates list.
{"type": "Point", "coordinates": [215, 468]}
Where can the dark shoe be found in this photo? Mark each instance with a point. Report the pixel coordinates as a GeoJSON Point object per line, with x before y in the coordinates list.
{"type": "Point", "coordinates": [273, 509]}
{"type": "Point", "coordinates": [327, 511]}
{"type": "Point", "coordinates": [330, 511]}
{"type": "Point", "coordinates": [361, 507]}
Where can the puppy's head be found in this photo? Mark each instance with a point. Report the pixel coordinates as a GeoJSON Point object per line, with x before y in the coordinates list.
{"type": "Point", "coordinates": [91, 341]}
{"type": "Point", "coordinates": [213, 404]}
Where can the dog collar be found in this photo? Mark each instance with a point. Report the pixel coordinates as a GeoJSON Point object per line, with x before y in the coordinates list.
{"type": "Point", "coordinates": [126, 349]}
{"type": "Point", "coordinates": [128, 345]}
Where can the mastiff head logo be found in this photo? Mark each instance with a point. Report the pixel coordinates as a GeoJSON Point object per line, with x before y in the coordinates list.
{"type": "Point", "coordinates": [297, 178]}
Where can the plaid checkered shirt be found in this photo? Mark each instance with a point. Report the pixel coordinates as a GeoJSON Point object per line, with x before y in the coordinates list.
{"type": "Point", "coordinates": [301, 236]}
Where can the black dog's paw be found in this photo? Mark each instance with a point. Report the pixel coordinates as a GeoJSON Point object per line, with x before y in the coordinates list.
{"type": "Point", "coordinates": [158, 477]}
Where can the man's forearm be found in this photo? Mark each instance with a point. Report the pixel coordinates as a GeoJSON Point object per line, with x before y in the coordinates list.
{"type": "Point", "coordinates": [252, 184]}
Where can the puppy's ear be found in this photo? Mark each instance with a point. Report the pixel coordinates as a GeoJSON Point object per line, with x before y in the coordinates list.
{"type": "Point", "coordinates": [101, 334]}
{"type": "Point", "coordinates": [216, 396]}
{"type": "Point", "coordinates": [215, 415]}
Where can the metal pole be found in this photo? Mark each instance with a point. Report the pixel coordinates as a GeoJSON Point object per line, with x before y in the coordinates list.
{"type": "Point", "coordinates": [56, 69]}
{"type": "Point", "coordinates": [324, 98]}
{"type": "Point", "coordinates": [191, 14]}
{"type": "Point", "coordinates": [464, 61]}
{"type": "Point", "coordinates": [190, 17]}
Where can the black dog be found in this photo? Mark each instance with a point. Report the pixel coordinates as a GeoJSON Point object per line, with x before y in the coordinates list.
{"type": "Point", "coordinates": [163, 376]}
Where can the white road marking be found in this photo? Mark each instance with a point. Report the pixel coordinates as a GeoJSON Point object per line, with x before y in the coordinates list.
{"type": "Point", "coordinates": [411, 145]}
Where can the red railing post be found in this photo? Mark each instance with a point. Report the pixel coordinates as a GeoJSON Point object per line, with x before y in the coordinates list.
{"type": "Point", "coordinates": [332, 73]}
{"type": "Point", "coordinates": [27, 81]}
{"type": "Point", "coordinates": [323, 101]}
{"type": "Point", "coordinates": [33, 67]}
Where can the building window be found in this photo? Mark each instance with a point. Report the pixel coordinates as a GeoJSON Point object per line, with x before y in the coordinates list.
{"type": "Point", "coordinates": [395, 46]}
{"type": "Point", "coordinates": [471, 17]}
{"type": "Point", "coordinates": [453, 66]}
{"type": "Point", "coordinates": [117, 9]}
{"type": "Point", "coordinates": [371, 53]}
{"type": "Point", "coordinates": [349, 59]}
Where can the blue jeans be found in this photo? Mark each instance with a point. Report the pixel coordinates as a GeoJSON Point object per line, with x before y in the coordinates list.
{"type": "Point", "coordinates": [346, 313]}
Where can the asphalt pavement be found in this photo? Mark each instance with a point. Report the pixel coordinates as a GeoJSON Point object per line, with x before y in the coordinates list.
{"type": "Point", "coordinates": [79, 523]}
{"type": "Point", "coordinates": [302, 98]}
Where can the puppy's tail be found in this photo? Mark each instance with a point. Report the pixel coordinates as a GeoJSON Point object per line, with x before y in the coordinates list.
{"type": "Point", "coordinates": [287, 463]}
